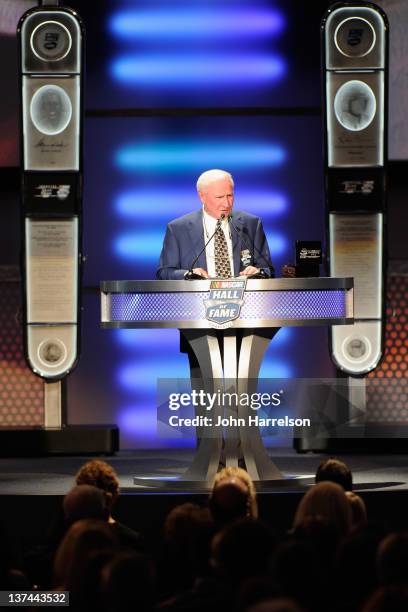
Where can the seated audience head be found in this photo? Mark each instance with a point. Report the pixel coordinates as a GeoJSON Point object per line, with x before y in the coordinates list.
{"type": "Point", "coordinates": [83, 538]}
{"type": "Point", "coordinates": [242, 549]}
{"type": "Point", "coordinates": [128, 584]}
{"type": "Point", "coordinates": [188, 530]}
{"type": "Point", "coordinates": [233, 496]}
{"type": "Point", "coordinates": [358, 510]}
{"type": "Point", "coordinates": [325, 501]}
{"type": "Point", "coordinates": [297, 568]}
{"type": "Point", "coordinates": [355, 566]}
{"type": "Point", "coordinates": [85, 501]}
{"type": "Point", "coordinates": [335, 470]}
{"type": "Point", "coordinates": [85, 587]}
{"type": "Point", "coordinates": [392, 559]}
{"type": "Point", "coordinates": [101, 475]}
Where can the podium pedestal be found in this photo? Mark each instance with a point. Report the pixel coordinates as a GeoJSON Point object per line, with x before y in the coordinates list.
{"type": "Point", "coordinates": [234, 369]}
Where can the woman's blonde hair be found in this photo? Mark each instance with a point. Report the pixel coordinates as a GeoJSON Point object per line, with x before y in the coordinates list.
{"type": "Point", "coordinates": [326, 501]}
{"type": "Point", "coordinates": [230, 473]}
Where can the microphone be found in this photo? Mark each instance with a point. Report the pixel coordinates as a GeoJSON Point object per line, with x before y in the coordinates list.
{"type": "Point", "coordinates": [243, 233]}
{"type": "Point", "coordinates": [190, 275]}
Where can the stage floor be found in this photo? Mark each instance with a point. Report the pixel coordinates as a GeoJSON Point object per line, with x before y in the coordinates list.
{"type": "Point", "coordinates": [31, 490]}
{"type": "Point", "coordinates": [55, 475]}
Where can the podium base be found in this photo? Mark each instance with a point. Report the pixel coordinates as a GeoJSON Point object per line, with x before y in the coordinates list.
{"type": "Point", "coordinates": [178, 484]}
{"type": "Point", "coordinates": [69, 440]}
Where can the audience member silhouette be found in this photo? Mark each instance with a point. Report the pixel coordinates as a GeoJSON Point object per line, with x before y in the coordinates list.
{"type": "Point", "coordinates": [85, 588]}
{"type": "Point", "coordinates": [242, 549]}
{"type": "Point", "coordinates": [85, 501]}
{"type": "Point", "coordinates": [83, 538]}
{"type": "Point", "coordinates": [100, 474]}
{"type": "Point", "coordinates": [127, 584]}
{"type": "Point", "coordinates": [392, 560]}
{"type": "Point", "coordinates": [326, 501]}
{"type": "Point", "coordinates": [302, 574]}
{"type": "Point", "coordinates": [355, 567]}
{"type": "Point", "coordinates": [188, 530]}
{"type": "Point", "coordinates": [233, 496]}
{"type": "Point", "coordinates": [335, 470]}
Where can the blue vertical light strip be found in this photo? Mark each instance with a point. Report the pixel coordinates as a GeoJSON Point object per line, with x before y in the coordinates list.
{"type": "Point", "coordinates": [166, 52]}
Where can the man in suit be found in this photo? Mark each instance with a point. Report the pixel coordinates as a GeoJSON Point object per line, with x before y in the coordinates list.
{"type": "Point", "coordinates": [239, 247]}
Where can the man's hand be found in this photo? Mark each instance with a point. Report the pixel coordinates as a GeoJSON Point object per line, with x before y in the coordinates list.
{"type": "Point", "coordinates": [289, 271]}
{"type": "Point", "coordinates": [201, 272]}
{"type": "Point", "coordinates": [249, 270]}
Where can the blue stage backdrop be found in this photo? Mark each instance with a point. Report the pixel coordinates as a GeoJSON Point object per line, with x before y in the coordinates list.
{"type": "Point", "coordinates": [141, 169]}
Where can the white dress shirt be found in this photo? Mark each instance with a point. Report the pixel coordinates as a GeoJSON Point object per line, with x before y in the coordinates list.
{"type": "Point", "coordinates": [209, 224]}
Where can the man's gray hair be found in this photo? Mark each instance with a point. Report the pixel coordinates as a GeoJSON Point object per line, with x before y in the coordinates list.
{"type": "Point", "coordinates": [209, 176]}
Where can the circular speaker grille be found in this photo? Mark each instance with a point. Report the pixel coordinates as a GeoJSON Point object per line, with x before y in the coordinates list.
{"type": "Point", "coordinates": [355, 105]}
{"type": "Point", "coordinates": [50, 110]}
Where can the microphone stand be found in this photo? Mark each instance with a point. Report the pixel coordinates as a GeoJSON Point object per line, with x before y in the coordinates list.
{"type": "Point", "coordinates": [261, 273]}
{"type": "Point", "coordinates": [190, 275]}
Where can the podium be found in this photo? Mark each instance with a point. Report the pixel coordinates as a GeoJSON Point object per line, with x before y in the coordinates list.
{"type": "Point", "coordinates": [228, 326]}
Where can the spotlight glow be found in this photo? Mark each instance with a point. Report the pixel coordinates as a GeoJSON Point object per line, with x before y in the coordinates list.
{"type": "Point", "coordinates": [278, 243]}
{"type": "Point", "coordinates": [196, 24]}
{"type": "Point", "coordinates": [275, 369]}
{"type": "Point", "coordinates": [134, 204]}
{"type": "Point", "coordinates": [181, 156]}
{"type": "Point", "coordinates": [140, 245]}
{"type": "Point", "coordinates": [139, 424]}
{"type": "Point", "coordinates": [204, 69]}
{"type": "Point", "coordinates": [138, 420]}
{"type": "Point", "coordinates": [163, 339]}
{"type": "Point", "coordinates": [144, 375]}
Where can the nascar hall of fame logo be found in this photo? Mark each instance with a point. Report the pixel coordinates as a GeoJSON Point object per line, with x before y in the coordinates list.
{"type": "Point", "coordinates": [224, 302]}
